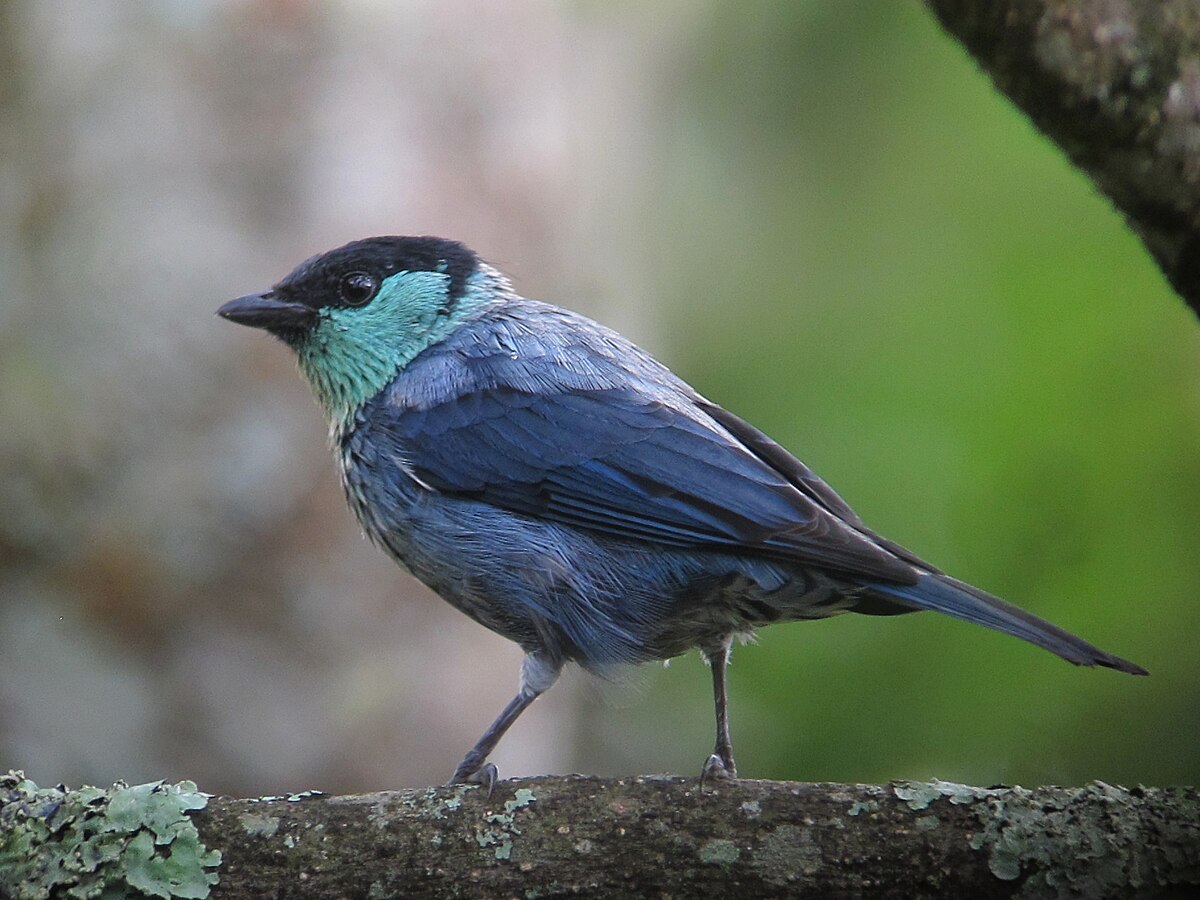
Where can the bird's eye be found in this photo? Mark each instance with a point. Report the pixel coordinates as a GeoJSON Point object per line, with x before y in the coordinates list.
{"type": "Point", "coordinates": [357, 288]}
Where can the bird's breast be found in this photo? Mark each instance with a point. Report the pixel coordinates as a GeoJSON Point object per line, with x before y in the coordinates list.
{"type": "Point", "coordinates": [381, 491]}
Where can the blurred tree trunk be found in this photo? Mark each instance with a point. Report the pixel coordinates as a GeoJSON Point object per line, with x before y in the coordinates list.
{"type": "Point", "coordinates": [1116, 84]}
{"type": "Point", "coordinates": [551, 837]}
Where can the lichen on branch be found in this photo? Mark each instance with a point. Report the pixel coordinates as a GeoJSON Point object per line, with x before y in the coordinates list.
{"type": "Point", "coordinates": [102, 843]}
{"type": "Point", "coordinates": [566, 836]}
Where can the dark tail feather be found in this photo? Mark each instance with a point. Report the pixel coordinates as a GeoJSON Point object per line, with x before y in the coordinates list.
{"type": "Point", "coordinates": [943, 594]}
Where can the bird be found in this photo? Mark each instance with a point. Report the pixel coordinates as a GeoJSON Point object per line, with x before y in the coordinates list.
{"type": "Point", "coordinates": [563, 488]}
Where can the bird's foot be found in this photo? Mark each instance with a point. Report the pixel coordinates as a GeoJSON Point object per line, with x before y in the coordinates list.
{"type": "Point", "coordinates": [471, 771]}
{"type": "Point", "coordinates": [717, 767]}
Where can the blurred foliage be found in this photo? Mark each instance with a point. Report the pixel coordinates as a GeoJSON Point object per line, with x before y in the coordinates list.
{"type": "Point", "coordinates": [820, 213]}
{"type": "Point", "coordinates": [900, 280]}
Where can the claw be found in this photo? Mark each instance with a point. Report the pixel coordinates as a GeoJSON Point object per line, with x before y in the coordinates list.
{"type": "Point", "coordinates": [484, 774]}
{"type": "Point", "coordinates": [716, 767]}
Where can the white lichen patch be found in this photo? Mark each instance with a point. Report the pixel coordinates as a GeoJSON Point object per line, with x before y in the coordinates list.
{"type": "Point", "coordinates": [786, 853]}
{"type": "Point", "coordinates": [719, 852]}
{"type": "Point", "coordinates": [259, 825]}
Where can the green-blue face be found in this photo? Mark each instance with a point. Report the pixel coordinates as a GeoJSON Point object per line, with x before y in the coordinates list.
{"type": "Point", "coordinates": [359, 314]}
{"type": "Point", "coordinates": [351, 353]}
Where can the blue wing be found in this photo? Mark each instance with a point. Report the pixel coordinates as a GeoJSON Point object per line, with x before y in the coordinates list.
{"type": "Point", "coordinates": [567, 427]}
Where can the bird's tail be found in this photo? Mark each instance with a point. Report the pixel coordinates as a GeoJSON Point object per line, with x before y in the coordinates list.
{"type": "Point", "coordinates": [944, 594]}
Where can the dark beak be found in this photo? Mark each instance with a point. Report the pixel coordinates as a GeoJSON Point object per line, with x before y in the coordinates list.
{"type": "Point", "coordinates": [268, 311]}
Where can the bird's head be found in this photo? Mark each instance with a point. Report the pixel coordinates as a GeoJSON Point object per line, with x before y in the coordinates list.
{"type": "Point", "coordinates": [357, 315]}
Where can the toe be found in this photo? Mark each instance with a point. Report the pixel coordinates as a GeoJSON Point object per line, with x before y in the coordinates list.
{"type": "Point", "coordinates": [717, 768]}
{"type": "Point", "coordinates": [484, 775]}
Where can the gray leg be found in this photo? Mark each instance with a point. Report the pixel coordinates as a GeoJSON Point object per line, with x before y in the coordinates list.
{"type": "Point", "coordinates": [537, 675]}
{"type": "Point", "coordinates": [720, 764]}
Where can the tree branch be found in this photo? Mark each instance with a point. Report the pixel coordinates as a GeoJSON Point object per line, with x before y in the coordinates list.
{"type": "Point", "coordinates": [556, 837]}
{"type": "Point", "coordinates": [1116, 84]}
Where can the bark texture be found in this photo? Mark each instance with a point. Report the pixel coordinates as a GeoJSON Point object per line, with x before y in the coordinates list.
{"type": "Point", "coordinates": [1116, 84]}
{"type": "Point", "coordinates": [557, 837]}
{"type": "Point", "coordinates": [572, 836]}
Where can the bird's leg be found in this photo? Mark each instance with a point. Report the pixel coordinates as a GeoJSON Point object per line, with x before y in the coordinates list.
{"type": "Point", "coordinates": [720, 764]}
{"type": "Point", "coordinates": [537, 675]}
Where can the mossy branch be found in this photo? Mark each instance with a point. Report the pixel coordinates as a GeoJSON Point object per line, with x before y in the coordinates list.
{"type": "Point", "coordinates": [572, 836]}
{"type": "Point", "coordinates": [1116, 84]}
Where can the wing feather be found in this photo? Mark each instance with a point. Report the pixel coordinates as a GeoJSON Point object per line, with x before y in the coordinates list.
{"type": "Point", "coordinates": [608, 440]}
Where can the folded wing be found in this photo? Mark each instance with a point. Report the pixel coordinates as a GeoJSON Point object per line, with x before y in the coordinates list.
{"type": "Point", "coordinates": [622, 461]}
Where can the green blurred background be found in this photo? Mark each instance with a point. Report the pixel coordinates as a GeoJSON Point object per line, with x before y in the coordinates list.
{"type": "Point", "coordinates": [821, 214]}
